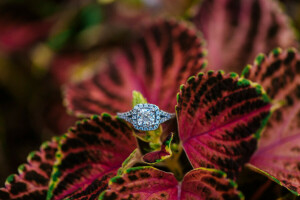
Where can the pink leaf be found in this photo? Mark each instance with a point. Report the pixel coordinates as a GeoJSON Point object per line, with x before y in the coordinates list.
{"type": "Point", "coordinates": [220, 118]}
{"type": "Point", "coordinates": [143, 183]}
{"type": "Point", "coordinates": [237, 30]}
{"type": "Point", "coordinates": [278, 153]}
{"type": "Point", "coordinates": [33, 178]}
{"type": "Point", "coordinates": [88, 156]}
{"type": "Point", "coordinates": [155, 64]}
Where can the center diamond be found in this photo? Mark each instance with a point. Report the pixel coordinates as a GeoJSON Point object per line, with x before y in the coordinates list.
{"type": "Point", "coordinates": [145, 117]}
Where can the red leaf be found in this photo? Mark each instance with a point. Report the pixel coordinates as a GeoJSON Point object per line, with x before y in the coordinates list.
{"type": "Point", "coordinates": [203, 183]}
{"type": "Point", "coordinates": [142, 183]}
{"type": "Point", "coordinates": [155, 64]}
{"type": "Point", "coordinates": [15, 36]}
{"type": "Point", "coordinates": [164, 152]}
{"type": "Point", "coordinates": [278, 153]}
{"type": "Point", "coordinates": [88, 156]}
{"type": "Point", "coordinates": [237, 30]}
{"type": "Point", "coordinates": [33, 178]}
{"type": "Point", "coordinates": [220, 118]}
{"type": "Point", "coordinates": [62, 67]}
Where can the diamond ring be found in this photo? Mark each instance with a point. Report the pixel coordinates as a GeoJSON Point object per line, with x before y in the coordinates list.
{"type": "Point", "coordinates": [146, 117]}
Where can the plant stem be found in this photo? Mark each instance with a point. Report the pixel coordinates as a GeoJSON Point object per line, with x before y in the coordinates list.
{"type": "Point", "coordinates": [261, 190]}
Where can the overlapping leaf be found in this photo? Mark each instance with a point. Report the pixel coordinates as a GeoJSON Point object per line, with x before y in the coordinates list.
{"type": "Point", "coordinates": [33, 178]}
{"type": "Point", "coordinates": [237, 30]}
{"type": "Point", "coordinates": [164, 152]}
{"type": "Point", "coordinates": [220, 118]}
{"type": "Point", "coordinates": [155, 64]}
{"type": "Point", "coordinates": [149, 183]}
{"type": "Point", "coordinates": [279, 148]}
{"type": "Point", "coordinates": [203, 183]}
{"type": "Point", "coordinates": [88, 156]}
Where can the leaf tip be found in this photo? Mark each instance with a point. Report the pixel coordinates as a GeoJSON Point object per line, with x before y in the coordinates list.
{"type": "Point", "coordinates": [276, 51]}
{"type": "Point", "coordinates": [106, 116]}
{"type": "Point", "coordinates": [246, 71]}
{"type": "Point", "coordinates": [138, 98]}
{"type": "Point", "coordinates": [21, 168]}
{"type": "Point", "coordinates": [46, 144]}
{"type": "Point", "coordinates": [259, 59]}
{"type": "Point", "coordinates": [181, 87]}
{"type": "Point", "coordinates": [204, 64]}
{"type": "Point", "coordinates": [10, 179]}
{"type": "Point", "coordinates": [94, 117]}
{"type": "Point", "coordinates": [77, 123]}
{"type": "Point", "coordinates": [233, 75]}
{"type": "Point", "coordinates": [191, 79]}
{"type": "Point", "coordinates": [261, 91]}
{"type": "Point", "coordinates": [71, 130]}
{"type": "Point", "coordinates": [292, 49]}
{"type": "Point", "coordinates": [221, 72]}
{"type": "Point", "coordinates": [200, 74]}
{"type": "Point", "coordinates": [243, 82]}
{"type": "Point", "coordinates": [210, 72]}
{"type": "Point", "coordinates": [117, 179]}
{"type": "Point", "coordinates": [31, 155]}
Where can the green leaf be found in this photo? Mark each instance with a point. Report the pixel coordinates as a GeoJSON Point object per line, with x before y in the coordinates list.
{"type": "Point", "coordinates": [137, 98]}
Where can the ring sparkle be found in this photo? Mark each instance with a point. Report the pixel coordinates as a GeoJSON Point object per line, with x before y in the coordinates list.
{"type": "Point", "coordinates": [146, 117]}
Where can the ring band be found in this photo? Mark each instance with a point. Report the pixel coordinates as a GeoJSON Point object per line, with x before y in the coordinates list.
{"type": "Point", "coordinates": [146, 117]}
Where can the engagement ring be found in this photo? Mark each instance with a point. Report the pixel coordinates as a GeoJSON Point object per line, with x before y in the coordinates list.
{"type": "Point", "coordinates": [146, 117]}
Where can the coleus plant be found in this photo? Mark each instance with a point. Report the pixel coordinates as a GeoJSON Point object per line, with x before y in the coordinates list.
{"type": "Point", "coordinates": [219, 119]}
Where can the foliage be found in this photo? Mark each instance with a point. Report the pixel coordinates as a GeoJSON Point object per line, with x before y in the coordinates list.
{"type": "Point", "coordinates": [225, 123]}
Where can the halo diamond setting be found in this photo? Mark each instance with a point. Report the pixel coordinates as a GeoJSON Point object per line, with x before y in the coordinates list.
{"type": "Point", "coordinates": [146, 117]}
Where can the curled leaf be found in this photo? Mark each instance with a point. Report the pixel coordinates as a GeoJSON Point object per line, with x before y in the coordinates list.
{"type": "Point", "coordinates": [220, 118]}
{"type": "Point", "coordinates": [33, 178]}
{"type": "Point", "coordinates": [278, 154]}
{"type": "Point", "coordinates": [164, 152]}
{"type": "Point", "coordinates": [88, 156]}
{"type": "Point", "coordinates": [131, 160]}
{"type": "Point", "coordinates": [163, 55]}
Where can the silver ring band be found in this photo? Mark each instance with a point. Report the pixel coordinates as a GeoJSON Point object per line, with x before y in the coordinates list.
{"type": "Point", "coordinates": [146, 117]}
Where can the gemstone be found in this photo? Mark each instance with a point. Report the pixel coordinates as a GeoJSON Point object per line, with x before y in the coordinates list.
{"type": "Point", "coordinates": [145, 117]}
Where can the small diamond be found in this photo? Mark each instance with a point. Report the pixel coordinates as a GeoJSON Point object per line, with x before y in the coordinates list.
{"type": "Point", "coordinates": [145, 117]}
